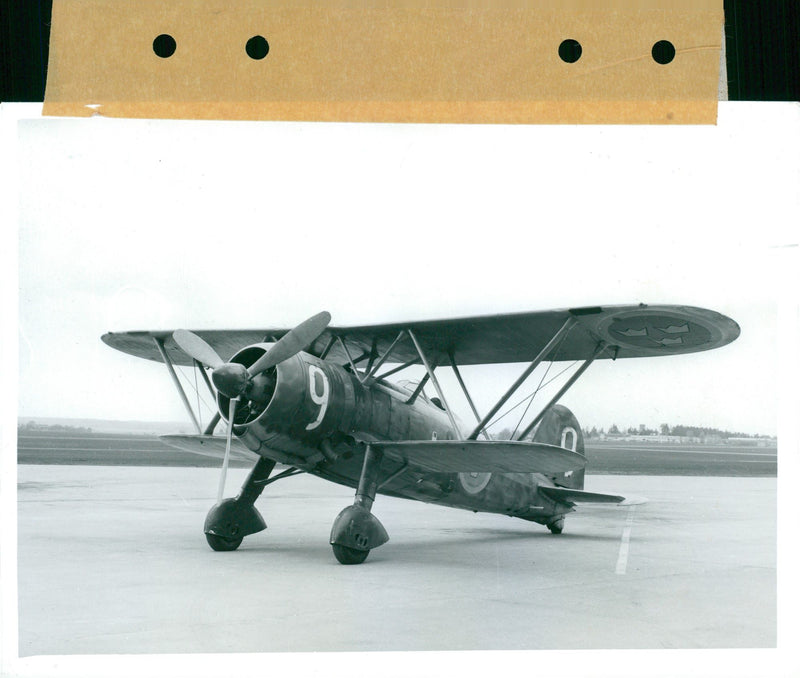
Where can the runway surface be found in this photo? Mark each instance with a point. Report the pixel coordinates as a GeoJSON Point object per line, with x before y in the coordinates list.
{"type": "Point", "coordinates": [603, 457]}
{"type": "Point", "coordinates": [112, 559]}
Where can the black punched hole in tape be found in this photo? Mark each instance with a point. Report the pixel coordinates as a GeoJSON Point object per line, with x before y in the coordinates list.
{"type": "Point", "coordinates": [663, 52]}
{"type": "Point", "coordinates": [257, 47]}
{"type": "Point", "coordinates": [164, 46]}
{"type": "Point", "coordinates": [570, 51]}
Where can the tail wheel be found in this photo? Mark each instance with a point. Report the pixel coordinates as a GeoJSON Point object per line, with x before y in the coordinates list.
{"type": "Point", "coordinates": [347, 556]}
{"type": "Point", "coordinates": [557, 526]}
{"type": "Point", "coordinates": [223, 543]}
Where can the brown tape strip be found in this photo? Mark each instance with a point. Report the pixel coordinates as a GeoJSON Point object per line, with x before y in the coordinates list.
{"type": "Point", "coordinates": [390, 61]}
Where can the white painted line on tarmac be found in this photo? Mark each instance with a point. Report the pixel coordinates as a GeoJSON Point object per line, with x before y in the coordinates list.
{"type": "Point", "coordinates": [624, 547]}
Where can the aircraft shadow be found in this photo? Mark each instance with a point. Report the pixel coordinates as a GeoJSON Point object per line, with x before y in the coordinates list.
{"type": "Point", "coordinates": [476, 536]}
{"type": "Point", "coordinates": [433, 547]}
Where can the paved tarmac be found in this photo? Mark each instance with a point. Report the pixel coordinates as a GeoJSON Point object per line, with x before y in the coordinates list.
{"type": "Point", "coordinates": [113, 560]}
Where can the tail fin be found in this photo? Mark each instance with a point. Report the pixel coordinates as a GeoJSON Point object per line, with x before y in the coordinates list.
{"type": "Point", "coordinates": [560, 427]}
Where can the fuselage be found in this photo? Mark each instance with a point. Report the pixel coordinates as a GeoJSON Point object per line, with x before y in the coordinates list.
{"type": "Point", "coordinates": [319, 416]}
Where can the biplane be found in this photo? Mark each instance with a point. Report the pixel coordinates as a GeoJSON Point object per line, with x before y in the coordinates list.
{"type": "Point", "coordinates": [318, 399]}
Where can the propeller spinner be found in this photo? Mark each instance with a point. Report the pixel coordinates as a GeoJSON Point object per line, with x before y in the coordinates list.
{"type": "Point", "coordinates": [233, 379]}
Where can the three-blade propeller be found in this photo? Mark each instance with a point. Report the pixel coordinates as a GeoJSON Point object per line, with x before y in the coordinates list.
{"type": "Point", "coordinates": [233, 379]}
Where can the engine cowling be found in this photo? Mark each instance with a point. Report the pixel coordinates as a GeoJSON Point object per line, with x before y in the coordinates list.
{"type": "Point", "coordinates": [307, 399]}
{"type": "Point", "coordinates": [300, 396]}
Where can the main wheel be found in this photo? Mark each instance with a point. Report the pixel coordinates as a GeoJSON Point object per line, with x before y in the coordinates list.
{"type": "Point", "coordinates": [347, 556]}
{"type": "Point", "coordinates": [223, 543]}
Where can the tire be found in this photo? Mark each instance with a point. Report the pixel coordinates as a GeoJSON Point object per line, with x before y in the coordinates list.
{"type": "Point", "coordinates": [557, 526]}
{"type": "Point", "coordinates": [223, 543]}
{"type": "Point", "coordinates": [347, 556]}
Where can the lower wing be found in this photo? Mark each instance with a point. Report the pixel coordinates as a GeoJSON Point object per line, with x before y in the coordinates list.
{"type": "Point", "coordinates": [210, 446]}
{"type": "Point", "coordinates": [483, 456]}
{"type": "Point", "coordinates": [501, 456]}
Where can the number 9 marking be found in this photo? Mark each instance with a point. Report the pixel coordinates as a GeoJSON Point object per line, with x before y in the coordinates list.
{"type": "Point", "coordinates": [320, 399]}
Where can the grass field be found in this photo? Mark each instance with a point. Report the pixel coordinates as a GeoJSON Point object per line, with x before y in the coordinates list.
{"type": "Point", "coordinates": [642, 458]}
{"type": "Point", "coordinates": [603, 457]}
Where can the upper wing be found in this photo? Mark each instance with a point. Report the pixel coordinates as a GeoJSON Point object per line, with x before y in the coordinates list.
{"type": "Point", "coordinates": [628, 331]}
{"type": "Point", "coordinates": [481, 456]}
{"type": "Point", "coordinates": [142, 344]}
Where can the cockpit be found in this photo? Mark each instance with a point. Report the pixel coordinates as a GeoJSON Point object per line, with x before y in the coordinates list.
{"type": "Point", "coordinates": [410, 386]}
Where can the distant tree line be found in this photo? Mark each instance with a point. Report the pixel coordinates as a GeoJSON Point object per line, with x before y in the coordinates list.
{"type": "Point", "coordinates": [678, 430]}
{"type": "Point", "coordinates": [666, 430]}
{"type": "Point", "coordinates": [31, 426]}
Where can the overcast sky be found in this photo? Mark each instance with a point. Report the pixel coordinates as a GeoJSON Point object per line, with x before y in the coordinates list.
{"type": "Point", "coordinates": [151, 224]}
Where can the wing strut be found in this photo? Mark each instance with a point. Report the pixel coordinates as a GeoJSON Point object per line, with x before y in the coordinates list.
{"type": "Point", "coordinates": [217, 416]}
{"type": "Point", "coordinates": [349, 357]}
{"type": "Point", "coordinates": [398, 368]}
{"type": "Point", "coordinates": [327, 348]}
{"type": "Point", "coordinates": [600, 348]}
{"type": "Point", "coordinates": [438, 388]}
{"type": "Point", "coordinates": [383, 358]}
{"type": "Point", "coordinates": [212, 424]}
{"type": "Point", "coordinates": [566, 327]}
{"type": "Point", "coordinates": [376, 362]}
{"type": "Point", "coordinates": [419, 388]}
{"type": "Point", "coordinates": [181, 392]}
{"type": "Point", "coordinates": [466, 393]}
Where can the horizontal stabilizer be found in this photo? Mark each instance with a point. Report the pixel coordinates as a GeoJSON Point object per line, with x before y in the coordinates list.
{"type": "Point", "coordinates": [210, 446]}
{"type": "Point", "coordinates": [566, 495]}
{"type": "Point", "coordinates": [483, 456]}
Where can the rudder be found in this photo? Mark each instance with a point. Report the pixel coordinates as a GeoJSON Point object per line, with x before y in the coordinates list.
{"type": "Point", "coordinates": [560, 427]}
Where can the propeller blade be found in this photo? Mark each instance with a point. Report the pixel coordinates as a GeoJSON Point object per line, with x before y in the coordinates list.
{"type": "Point", "coordinates": [294, 341]}
{"type": "Point", "coordinates": [227, 457]}
{"type": "Point", "coordinates": [196, 347]}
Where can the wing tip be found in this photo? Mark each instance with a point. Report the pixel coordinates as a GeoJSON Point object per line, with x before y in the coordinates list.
{"type": "Point", "coordinates": [662, 330]}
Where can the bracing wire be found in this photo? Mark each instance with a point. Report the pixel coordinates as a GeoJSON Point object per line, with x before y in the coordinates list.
{"type": "Point", "coordinates": [530, 401]}
{"type": "Point", "coordinates": [530, 395]}
{"type": "Point", "coordinates": [180, 372]}
{"type": "Point", "coordinates": [539, 387]}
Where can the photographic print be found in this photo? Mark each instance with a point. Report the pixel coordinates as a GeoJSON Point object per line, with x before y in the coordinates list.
{"type": "Point", "coordinates": [492, 388]}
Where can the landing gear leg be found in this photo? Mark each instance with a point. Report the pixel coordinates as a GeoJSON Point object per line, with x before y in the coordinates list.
{"type": "Point", "coordinates": [230, 521]}
{"type": "Point", "coordinates": [356, 531]}
{"type": "Point", "coordinates": [556, 526]}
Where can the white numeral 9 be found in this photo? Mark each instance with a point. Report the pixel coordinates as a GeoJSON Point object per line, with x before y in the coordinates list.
{"type": "Point", "coordinates": [320, 399]}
